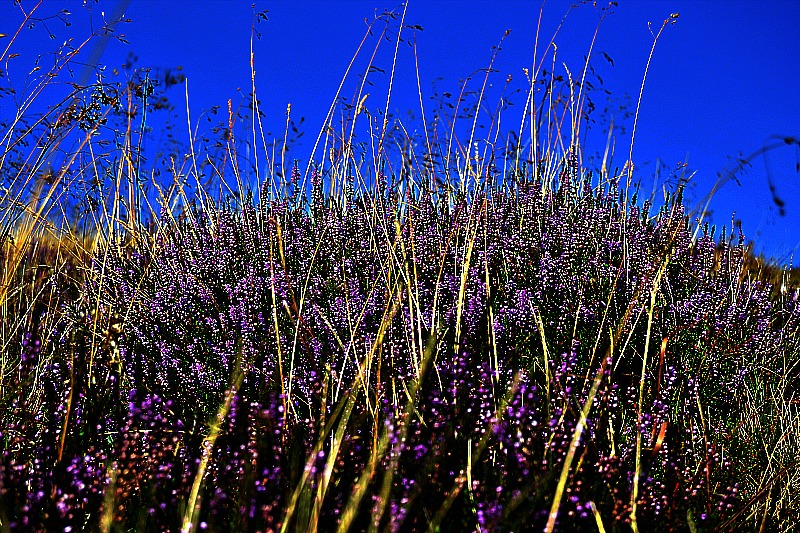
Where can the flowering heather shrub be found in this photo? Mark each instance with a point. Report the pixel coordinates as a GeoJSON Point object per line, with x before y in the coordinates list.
{"type": "Point", "coordinates": [353, 403]}
{"type": "Point", "coordinates": [547, 355]}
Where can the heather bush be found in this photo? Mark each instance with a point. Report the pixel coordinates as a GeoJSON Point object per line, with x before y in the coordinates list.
{"type": "Point", "coordinates": [536, 352]}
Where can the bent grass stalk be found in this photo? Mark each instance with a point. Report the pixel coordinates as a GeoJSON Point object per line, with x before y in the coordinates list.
{"type": "Point", "coordinates": [673, 18]}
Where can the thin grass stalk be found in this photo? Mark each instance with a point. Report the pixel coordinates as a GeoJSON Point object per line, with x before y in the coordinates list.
{"type": "Point", "coordinates": [301, 491]}
{"type": "Point", "coordinates": [397, 282]}
{"type": "Point", "coordinates": [331, 109]}
{"type": "Point", "coordinates": [673, 18]}
{"type": "Point", "coordinates": [494, 360]}
{"type": "Point", "coordinates": [638, 471]}
{"type": "Point", "coordinates": [475, 454]}
{"type": "Point", "coordinates": [192, 513]}
{"type": "Point", "coordinates": [333, 453]}
{"type": "Point", "coordinates": [299, 308]}
{"type": "Point", "coordinates": [413, 297]}
{"type": "Point", "coordinates": [480, 100]}
{"type": "Point", "coordinates": [545, 356]}
{"type": "Point", "coordinates": [287, 397]}
{"type": "Point", "coordinates": [573, 445]}
{"type": "Point", "coordinates": [413, 307]}
{"type": "Point", "coordinates": [472, 232]}
{"type": "Point", "coordinates": [597, 518]}
{"type": "Point", "coordinates": [428, 146]}
{"type": "Point", "coordinates": [339, 436]}
{"type": "Point", "coordinates": [379, 451]}
{"type": "Point", "coordinates": [302, 496]}
{"type": "Point", "coordinates": [193, 154]}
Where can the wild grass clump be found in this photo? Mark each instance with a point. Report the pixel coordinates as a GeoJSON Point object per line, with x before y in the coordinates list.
{"type": "Point", "coordinates": [531, 349]}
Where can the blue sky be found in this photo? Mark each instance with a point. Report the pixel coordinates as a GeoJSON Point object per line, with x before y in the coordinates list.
{"type": "Point", "coordinates": [723, 81]}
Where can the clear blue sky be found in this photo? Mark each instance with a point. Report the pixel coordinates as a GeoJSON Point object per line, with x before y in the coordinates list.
{"type": "Point", "coordinates": [723, 80]}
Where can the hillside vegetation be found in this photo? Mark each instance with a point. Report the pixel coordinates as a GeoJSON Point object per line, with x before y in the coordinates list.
{"type": "Point", "coordinates": [403, 335]}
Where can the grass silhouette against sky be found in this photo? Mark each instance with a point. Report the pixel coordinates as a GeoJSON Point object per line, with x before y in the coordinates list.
{"type": "Point", "coordinates": [721, 85]}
